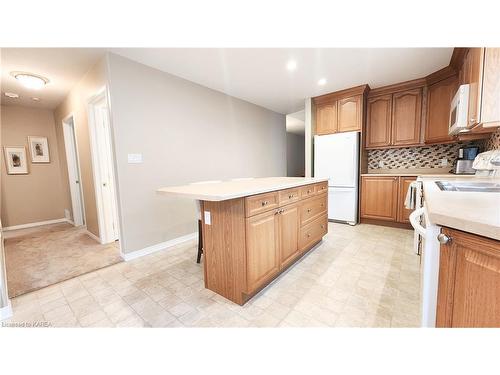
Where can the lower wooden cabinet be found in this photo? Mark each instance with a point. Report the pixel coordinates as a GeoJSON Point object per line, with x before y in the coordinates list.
{"type": "Point", "coordinates": [383, 198]}
{"type": "Point", "coordinates": [250, 240]}
{"type": "Point", "coordinates": [263, 248]}
{"type": "Point", "coordinates": [379, 198]}
{"type": "Point", "coordinates": [469, 281]}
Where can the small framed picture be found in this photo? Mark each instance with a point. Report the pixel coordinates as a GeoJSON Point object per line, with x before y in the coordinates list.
{"type": "Point", "coordinates": [39, 147]}
{"type": "Point", "coordinates": [15, 159]}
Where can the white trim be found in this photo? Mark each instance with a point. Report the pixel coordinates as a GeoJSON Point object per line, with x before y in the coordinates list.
{"type": "Point", "coordinates": [6, 312]}
{"type": "Point", "coordinates": [158, 247]}
{"type": "Point", "coordinates": [37, 224]}
{"type": "Point", "coordinates": [92, 235]}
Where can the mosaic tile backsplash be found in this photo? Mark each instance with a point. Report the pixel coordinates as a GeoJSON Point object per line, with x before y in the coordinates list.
{"type": "Point", "coordinates": [416, 157]}
{"type": "Point", "coordinates": [493, 143]}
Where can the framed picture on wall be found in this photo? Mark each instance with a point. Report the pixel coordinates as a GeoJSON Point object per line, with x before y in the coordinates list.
{"type": "Point", "coordinates": [16, 160]}
{"type": "Point", "coordinates": [39, 147]}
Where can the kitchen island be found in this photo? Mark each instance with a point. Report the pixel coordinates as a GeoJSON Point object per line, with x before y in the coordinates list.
{"type": "Point", "coordinates": [254, 229]}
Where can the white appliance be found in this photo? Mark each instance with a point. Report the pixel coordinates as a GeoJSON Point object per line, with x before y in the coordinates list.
{"type": "Point", "coordinates": [336, 157]}
{"type": "Point", "coordinates": [458, 111]}
{"type": "Point", "coordinates": [428, 246]}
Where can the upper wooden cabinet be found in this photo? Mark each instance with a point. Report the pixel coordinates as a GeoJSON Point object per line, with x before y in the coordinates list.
{"type": "Point", "coordinates": [349, 113]}
{"type": "Point", "coordinates": [340, 111]}
{"type": "Point", "coordinates": [480, 69]}
{"type": "Point", "coordinates": [469, 281]}
{"type": "Point", "coordinates": [406, 115]}
{"type": "Point", "coordinates": [326, 118]}
{"type": "Point", "coordinates": [394, 119]}
{"type": "Point", "coordinates": [378, 130]}
{"type": "Point", "coordinates": [439, 96]}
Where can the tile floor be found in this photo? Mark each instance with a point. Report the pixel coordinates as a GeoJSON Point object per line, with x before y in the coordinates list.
{"type": "Point", "coordinates": [362, 276]}
{"type": "Point", "coordinates": [42, 256]}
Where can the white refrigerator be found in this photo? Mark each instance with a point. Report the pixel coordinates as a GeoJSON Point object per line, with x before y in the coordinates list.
{"type": "Point", "coordinates": [336, 157]}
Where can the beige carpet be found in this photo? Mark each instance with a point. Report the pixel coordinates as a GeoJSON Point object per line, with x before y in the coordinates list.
{"type": "Point", "coordinates": [43, 256]}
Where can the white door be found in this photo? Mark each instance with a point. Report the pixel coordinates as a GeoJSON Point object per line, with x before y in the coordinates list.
{"type": "Point", "coordinates": [336, 158]}
{"type": "Point", "coordinates": [73, 171]}
{"type": "Point", "coordinates": [109, 219]}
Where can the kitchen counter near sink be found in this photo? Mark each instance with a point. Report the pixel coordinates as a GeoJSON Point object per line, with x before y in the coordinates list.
{"type": "Point", "coordinates": [473, 212]}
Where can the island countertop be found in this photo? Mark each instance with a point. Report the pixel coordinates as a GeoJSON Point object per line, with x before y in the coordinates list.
{"type": "Point", "coordinates": [225, 190]}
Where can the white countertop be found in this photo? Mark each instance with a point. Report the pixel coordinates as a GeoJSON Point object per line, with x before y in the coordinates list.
{"type": "Point", "coordinates": [220, 191]}
{"type": "Point", "coordinates": [473, 212]}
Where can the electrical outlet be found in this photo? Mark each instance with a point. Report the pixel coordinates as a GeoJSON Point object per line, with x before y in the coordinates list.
{"type": "Point", "coordinates": [381, 164]}
{"type": "Point", "coordinates": [444, 162]}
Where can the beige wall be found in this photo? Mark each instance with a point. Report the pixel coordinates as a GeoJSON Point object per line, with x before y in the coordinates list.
{"type": "Point", "coordinates": [76, 103]}
{"type": "Point", "coordinates": [36, 196]}
{"type": "Point", "coordinates": [186, 132]}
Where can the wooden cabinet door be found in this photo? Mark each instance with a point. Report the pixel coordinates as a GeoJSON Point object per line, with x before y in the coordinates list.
{"type": "Point", "coordinates": [262, 245]}
{"type": "Point", "coordinates": [475, 78]}
{"type": "Point", "coordinates": [378, 125]}
{"type": "Point", "coordinates": [403, 212]}
{"type": "Point", "coordinates": [379, 198]}
{"type": "Point", "coordinates": [326, 118]}
{"type": "Point", "coordinates": [439, 96]}
{"type": "Point", "coordinates": [289, 233]}
{"type": "Point", "coordinates": [349, 114]}
{"type": "Point", "coordinates": [490, 100]}
{"type": "Point", "coordinates": [406, 115]}
{"type": "Point", "coordinates": [469, 281]}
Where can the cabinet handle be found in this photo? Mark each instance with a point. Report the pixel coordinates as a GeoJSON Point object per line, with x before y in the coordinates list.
{"type": "Point", "coordinates": [472, 120]}
{"type": "Point", "coordinates": [322, 226]}
{"type": "Point", "coordinates": [290, 196]}
{"type": "Point", "coordinates": [264, 203]}
{"type": "Point", "coordinates": [308, 235]}
{"type": "Point", "coordinates": [308, 210]}
{"type": "Point", "coordinates": [444, 239]}
{"type": "Point", "coordinates": [308, 191]}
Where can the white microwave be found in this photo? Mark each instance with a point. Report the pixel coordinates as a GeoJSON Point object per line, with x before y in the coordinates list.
{"type": "Point", "coordinates": [458, 111]}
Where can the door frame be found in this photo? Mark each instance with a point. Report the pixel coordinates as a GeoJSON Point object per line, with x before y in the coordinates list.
{"type": "Point", "coordinates": [69, 165]}
{"type": "Point", "coordinates": [93, 100]}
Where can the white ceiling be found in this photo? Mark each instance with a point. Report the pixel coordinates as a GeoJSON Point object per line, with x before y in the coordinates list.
{"type": "Point", "coordinates": [256, 75]}
{"type": "Point", "coordinates": [259, 75]}
{"type": "Point", "coordinates": [295, 123]}
{"type": "Point", "coordinates": [64, 67]}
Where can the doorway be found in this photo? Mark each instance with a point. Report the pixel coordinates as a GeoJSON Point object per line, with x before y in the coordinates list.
{"type": "Point", "coordinates": [102, 160]}
{"type": "Point", "coordinates": [73, 171]}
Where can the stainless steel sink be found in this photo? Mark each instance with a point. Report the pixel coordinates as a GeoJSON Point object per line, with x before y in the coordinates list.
{"type": "Point", "coordinates": [489, 187]}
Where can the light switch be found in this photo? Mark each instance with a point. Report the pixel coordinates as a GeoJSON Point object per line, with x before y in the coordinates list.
{"type": "Point", "coordinates": [381, 164]}
{"type": "Point", "coordinates": [444, 162]}
{"type": "Point", "coordinates": [134, 158]}
{"type": "Point", "coordinates": [207, 217]}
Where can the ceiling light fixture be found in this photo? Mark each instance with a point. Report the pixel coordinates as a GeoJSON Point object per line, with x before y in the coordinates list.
{"type": "Point", "coordinates": [322, 82]}
{"type": "Point", "coordinates": [291, 65]}
{"type": "Point", "coordinates": [29, 80]}
{"type": "Point", "coordinates": [11, 95]}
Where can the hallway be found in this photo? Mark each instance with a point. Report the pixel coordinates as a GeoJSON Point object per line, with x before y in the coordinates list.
{"type": "Point", "coordinates": [42, 256]}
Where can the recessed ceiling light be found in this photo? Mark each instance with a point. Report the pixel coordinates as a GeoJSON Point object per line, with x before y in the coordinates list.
{"type": "Point", "coordinates": [322, 82]}
{"type": "Point", "coordinates": [35, 99]}
{"type": "Point", "coordinates": [29, 80]}
{"type": "Point", "coordinates": [11, 95]}
{"type": "Point", "coordinates": [291, 65]}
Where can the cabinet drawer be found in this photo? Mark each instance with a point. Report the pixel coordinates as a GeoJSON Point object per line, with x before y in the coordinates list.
{"type": "Point", "coordinates": [312, 208]}
{"type": "Point", "coordinates": [289, 196]}
{"type": "Point", "coordinates": [313, 232]}
{"type": "Point", "coordinates": [320, 188]}
{"type": "Point", "coordinates": [307, 191]}
{"type": "Point", "coordinates": [261, 203]}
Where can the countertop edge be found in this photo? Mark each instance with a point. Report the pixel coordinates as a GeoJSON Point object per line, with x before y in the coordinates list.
{"type": "Point", "coordinates": [218, 198]}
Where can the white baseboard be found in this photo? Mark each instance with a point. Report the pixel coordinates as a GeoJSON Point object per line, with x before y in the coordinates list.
{"type": "Point", "coordinates": [92, 235]}
{"type": "Point", "coordinates": [158, 247]}
{"type": "Point", "coordinates": [37, 224]}
{"type": "Point", "coordinates": [6, 312]}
